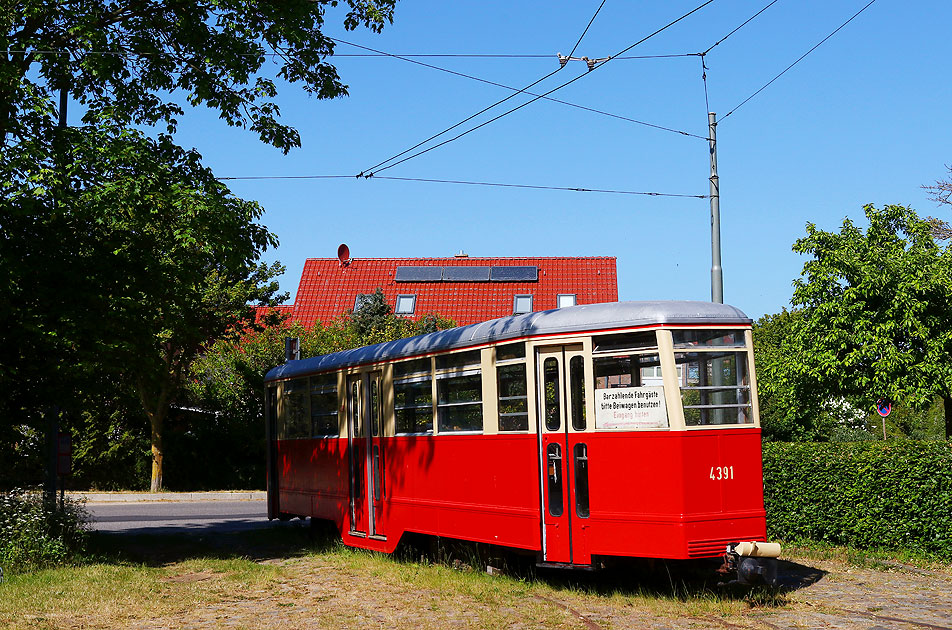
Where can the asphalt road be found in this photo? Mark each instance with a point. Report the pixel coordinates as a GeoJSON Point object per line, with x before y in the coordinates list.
{"type": "Point", "coordinates": [166, 517]}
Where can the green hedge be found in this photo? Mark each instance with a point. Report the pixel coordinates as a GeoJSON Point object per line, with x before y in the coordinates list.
{"type": "Point", "coordinates": [864, 494]}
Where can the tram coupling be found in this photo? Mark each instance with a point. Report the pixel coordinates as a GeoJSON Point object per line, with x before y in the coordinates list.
{"type": "Point", "coordinates": [754, 562]}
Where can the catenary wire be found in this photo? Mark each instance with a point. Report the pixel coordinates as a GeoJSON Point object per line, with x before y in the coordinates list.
{"type": "Point", "coordinates": [508, 87]}
{"type": "Point", "coordinates": [370, 172]}
{"type": "Point", "coordinates": [471, 183]}
{"type": "Point", "coordinates": [129, 53]}
{"type": "Point", "coordinates": [742, 103]}
{"type": "Point", "coordinates": [745, 23]}
{"type": "Point", "coordinates": [480, 112]}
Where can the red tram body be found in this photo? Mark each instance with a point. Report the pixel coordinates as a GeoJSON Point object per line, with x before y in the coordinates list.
{"type": "Point", "coordinates": [608, 430]}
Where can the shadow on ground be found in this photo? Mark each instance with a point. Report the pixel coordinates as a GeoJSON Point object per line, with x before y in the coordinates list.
{"type": "Point", "coordinates": [668, 579]}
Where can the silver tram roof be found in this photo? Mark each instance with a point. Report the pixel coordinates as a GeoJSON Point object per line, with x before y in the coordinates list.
{"type": "Point", "coordinates": [572, 319]}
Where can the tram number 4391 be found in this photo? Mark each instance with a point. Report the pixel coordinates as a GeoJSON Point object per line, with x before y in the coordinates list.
{"type": "Point", "coordinates": [722, 473]}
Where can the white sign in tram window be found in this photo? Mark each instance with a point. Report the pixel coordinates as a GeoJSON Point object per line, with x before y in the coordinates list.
{"type": "Point", "coordinates": [630, 408]}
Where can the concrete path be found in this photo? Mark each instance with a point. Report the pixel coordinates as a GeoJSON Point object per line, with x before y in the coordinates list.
{"type": "Point", "coordinates": [174, 497]}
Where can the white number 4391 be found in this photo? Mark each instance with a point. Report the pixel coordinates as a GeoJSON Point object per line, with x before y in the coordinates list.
{"type": "Point", "coordinates": [721, 473]}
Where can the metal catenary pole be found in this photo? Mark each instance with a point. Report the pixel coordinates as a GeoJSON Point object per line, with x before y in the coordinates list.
{"type": "Point", "coordinates": [717, 274]}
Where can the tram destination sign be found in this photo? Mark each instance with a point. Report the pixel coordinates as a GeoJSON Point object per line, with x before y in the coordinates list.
{"type": "Point", "coordinates": [630, 408]}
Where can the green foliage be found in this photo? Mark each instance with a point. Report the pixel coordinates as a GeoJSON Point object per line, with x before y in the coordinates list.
{"type": "Point", "coordinates": [213, 53]}
{"type": "Point", "coordinates": [877, 308]}
{"type": "Point", "coordinates": [34, 535]}
{"type": "Point", "coordinates": [866, 495]}
{"type": "Point", "coordinates": [116, 284]}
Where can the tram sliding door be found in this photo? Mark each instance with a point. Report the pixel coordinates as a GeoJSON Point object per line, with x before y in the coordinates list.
{"type": "Point", "coordinates": [563, 454]}
{"type": "Point", "coordinates": [364, 431]}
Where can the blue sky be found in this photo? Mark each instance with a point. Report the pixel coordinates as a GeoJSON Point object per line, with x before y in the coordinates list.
{"type": "Point", "coordinates": [865, 118]}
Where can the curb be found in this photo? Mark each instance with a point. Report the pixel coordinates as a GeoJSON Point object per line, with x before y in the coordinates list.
{"type": "Point", "coordinates": [171, 497]}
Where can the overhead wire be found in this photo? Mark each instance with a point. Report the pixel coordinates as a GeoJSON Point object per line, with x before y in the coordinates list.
{"type": "Point", "coordinates": [471, 183]}
{"type": "Point", "coordinates": [370, 172]}
{"type": "Point", "coordinates": [527, 92]}
{"type": "Point", "coordinates": [485, 109]}
{"type": "Point", "coordinates": [703, 55]}
{"type": "Point", "coordinates": [766, 85]}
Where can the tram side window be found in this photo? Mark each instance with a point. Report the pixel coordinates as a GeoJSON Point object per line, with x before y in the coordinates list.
{"type": "Point", "coordinates": [324, 406]}
{"type": "Point", "coordinates": [296, 422]}
{"type": "Point", "coordinates": [413, 397]}
{"type": "Point", "coordinates": [513, 398]}
{"type": "Point", "coordinates": [624, 371]}
{"type": "Point", "coordinates": [716, 388]}
{"type": "Point", "coordinates": [459, 391]}
{"type": "Point", "coordinates": [413, 405]}
{"type": "Point", "coordinates": [708, 338]}
{"type": "Point", "coordinates": [511, 387]}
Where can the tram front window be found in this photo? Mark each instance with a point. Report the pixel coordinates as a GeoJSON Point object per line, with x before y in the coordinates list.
{"type": "Point", "coordinates": [715, 388]}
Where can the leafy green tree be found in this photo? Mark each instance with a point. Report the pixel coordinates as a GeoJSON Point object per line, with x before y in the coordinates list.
{"type": "Point", "coordinates": [143, 260]}
{"type": "Point", "coordinates": [125, 60]}
{"type": "Point", "coordinates": [875, 311]}
{"type": "Point", "coordinates": [790, 403]}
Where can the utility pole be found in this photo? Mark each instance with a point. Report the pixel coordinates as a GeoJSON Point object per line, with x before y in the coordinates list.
{"type": "Point", "coordinates": [717, 274]}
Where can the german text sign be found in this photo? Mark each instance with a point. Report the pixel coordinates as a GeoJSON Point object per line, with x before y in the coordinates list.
{"type": "Point", "coordinates": [630, 408]}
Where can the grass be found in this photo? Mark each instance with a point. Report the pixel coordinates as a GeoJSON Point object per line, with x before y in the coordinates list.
{"type": "Point", "coordinates": [285, 576]}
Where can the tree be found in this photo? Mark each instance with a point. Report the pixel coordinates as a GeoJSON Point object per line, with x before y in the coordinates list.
{"type": "Point", "coordinates": [78, 224]}
{"type": "Point", "coordinates": [122, 59]}
{"type": "Point", "coordinates": [143, 260]}
{"type": "Point", "coordinates": [941, 193]}
{"type": "Point", "coordinates": [876, 310]}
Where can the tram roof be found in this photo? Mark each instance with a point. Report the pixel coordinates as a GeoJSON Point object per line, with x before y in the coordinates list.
{"type": "Point", "coordinates": [567, 320]}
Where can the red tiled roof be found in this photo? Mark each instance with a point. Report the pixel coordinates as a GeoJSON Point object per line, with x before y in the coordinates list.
{"type": "Point", "coordinates": [328, 289]}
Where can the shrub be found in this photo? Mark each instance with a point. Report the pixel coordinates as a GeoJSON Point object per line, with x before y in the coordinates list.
{"type": "Point", "coordinates": [866, 495]}
{"type": "Point", "coordinates": [34, 535]}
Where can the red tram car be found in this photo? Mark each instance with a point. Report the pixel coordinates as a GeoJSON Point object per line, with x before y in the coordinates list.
{"type": "Point", "coordinates": [623, 429]}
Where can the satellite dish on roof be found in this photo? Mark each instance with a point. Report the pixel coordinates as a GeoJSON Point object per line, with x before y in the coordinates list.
{"type": "Point", "coordinates": [343, 255]}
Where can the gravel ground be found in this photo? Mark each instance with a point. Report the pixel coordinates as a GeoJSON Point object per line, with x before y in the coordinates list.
{"type": "Point", "coordinates": [815, 594]}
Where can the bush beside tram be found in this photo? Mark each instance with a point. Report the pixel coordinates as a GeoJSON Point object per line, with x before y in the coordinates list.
{"type": "Point", "coordinates": [611, 430]}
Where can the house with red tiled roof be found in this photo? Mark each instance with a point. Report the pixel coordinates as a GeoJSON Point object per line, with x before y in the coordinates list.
{"type": "Point", "coordinates": [466, 289]}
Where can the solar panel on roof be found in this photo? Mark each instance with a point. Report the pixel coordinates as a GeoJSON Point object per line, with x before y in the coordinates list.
{"type": "Point", "coordinates": [515, 273]}
{"type": "Point", "coordinates": [465, 274]}
{"type": "Point", "coordinates": [418, 274]}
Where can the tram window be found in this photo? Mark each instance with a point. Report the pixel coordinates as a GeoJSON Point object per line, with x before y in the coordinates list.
{"type": "Point", "coordinates": [457, 360]}
{"type": "Point", "coordinates": [511, 351]}
{"type": "Point", "coordinates": [577, 383]}
{"type": "Point", "coordinates": [708, 338]}
{"type": "Point", "coordinates": [459, 405]}
{"type": "Point", "coordinates": [626, 341]}
{"type": "Point", "coordinates": [716, 388]}
{"type": "Point", "coordinates": [416, 366]}
{"type": "Point", "coordinates": [553, 394]}
{"type": "Point", "coordinates": [513, 397]}
{"type": "Point", "coordinates": [413, 405]}
{"type": "Point", "coordinates": [296, 422]}
{"type": "Point", "coordinates": [374, 408]}
{"type": "Point", "coordinates": [626, 371]}
{"type": "Point", "coordinates": [324, 406]}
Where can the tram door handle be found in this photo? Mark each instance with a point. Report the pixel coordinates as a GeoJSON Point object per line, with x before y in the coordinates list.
{"type": "Point", "coordinates": [555, 463]}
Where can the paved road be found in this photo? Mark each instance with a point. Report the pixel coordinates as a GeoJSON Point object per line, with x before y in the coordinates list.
{"type": "Point", "coordinates": [167, 517]}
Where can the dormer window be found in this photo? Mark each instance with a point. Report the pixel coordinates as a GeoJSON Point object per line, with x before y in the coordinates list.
{"type": "Point", "coordinates": [406, 305]}
{"type": "Point", "coordinates": [521, 304]}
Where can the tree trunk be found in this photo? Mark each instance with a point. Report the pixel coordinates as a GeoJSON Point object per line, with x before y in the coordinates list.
{"type": "Point", "coordinates": [156, 420]}
{"type": "Point", "coordinates": [947, 405]}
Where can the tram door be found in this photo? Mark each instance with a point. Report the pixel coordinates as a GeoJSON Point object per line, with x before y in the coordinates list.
{"type": "Point", "coordinates": [563, 453]}
{"type": "Point", "coordinates": [364, 431]}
